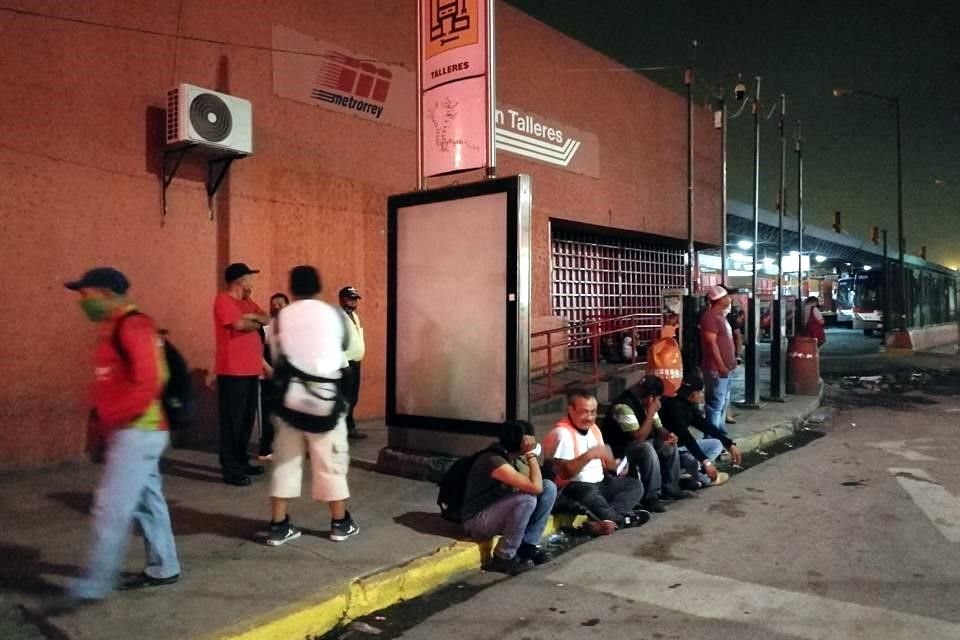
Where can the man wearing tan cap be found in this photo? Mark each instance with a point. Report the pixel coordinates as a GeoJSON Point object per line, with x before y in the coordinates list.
{"type": "Point", "coordinates": [718, 355]}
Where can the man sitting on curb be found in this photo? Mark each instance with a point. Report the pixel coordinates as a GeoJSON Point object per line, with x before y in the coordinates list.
{"type": "Point", "coordinates": [507, 495]}
{"type": "Point", "coordinates": [633, 429]}
{"type": "Point", "coordinates": [580, 461]}
{"type": "Point", "coordinates": [697, 456]}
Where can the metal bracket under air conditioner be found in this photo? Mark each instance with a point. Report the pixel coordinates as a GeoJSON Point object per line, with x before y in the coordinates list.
{"type": "Point", "coordinates": [217, 169]}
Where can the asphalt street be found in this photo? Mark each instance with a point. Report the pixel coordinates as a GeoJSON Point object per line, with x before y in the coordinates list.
{"type": "Point", "coordinates": [853, 536]}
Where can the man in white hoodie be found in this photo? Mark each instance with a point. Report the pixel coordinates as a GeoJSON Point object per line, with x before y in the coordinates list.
{"type": "Point", "coordinates": [307, 343]}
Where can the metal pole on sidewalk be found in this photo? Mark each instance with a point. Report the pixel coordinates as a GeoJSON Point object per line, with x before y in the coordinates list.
{"type": "Point", "coordinates": [778, 338]}
{"type": "Point", "coordinates": [752, 373]}
{"type": "Point", "coordinates": [691, 251]}
{"type": "Point", "coordinates": [491, 90]}
{"type": "Point", "coordinates": [420, 181]}
{"type": "Point", "coordinates": [887, 276]}
{"type": "Point", "coordinates": [798, 308]}
{"type": "Point", "coordinates": [690, 338]}
{"type": "Point", "coordinates": [723, 190]}
{"type": "Point", "coordinates": [901, 241]}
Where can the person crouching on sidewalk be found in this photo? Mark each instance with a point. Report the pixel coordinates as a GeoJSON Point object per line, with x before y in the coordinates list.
{"type": "Point", "coordinates": [129, 375]}
{"type": "Point", "coordinates": [507, 495]}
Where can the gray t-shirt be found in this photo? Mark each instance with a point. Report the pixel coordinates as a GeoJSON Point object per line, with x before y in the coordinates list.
{"type": "Point", "coordinates": [715, 323]}
{"type": "Point", "coordinates": [482, 490]}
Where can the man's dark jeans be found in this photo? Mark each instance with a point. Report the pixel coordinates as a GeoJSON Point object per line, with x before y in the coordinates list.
{"type": "Point", "coordinates": [351, 392]}
{"type": "Point", "coordinates": [658, 465]}
{"type": "Point", "coordinates": [607, 500]}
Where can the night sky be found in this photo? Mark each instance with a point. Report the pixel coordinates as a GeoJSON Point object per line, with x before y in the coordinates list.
{"type": "Point", "coordinates": [805, 49]}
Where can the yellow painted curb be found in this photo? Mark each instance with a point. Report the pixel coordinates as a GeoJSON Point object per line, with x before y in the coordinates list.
{"type": "Point", "coordinates": [322, 612]}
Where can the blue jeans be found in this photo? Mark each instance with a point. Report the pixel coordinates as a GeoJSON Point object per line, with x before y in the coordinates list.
{"type": "Point", "coordinates": [717, 394]}
{"type": "Point", "coordinates": [130, 490]}
{"type": "Point", "coordinates": [518, 518]}
{"type": "Point", "coordinates": [711, 447]}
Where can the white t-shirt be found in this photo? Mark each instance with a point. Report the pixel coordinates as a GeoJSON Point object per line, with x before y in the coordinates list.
{"type": "Point", "coordinates": [311, 336]}
{"type": "Point", "coordinates": [568, 450]}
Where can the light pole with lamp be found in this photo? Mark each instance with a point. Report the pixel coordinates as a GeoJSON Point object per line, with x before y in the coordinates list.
{"type": "Point", "coordinates": [901, 244]}
{"type": "Point", "coordinates": [798, 319]}
{"type": "Point", "coordinates": [752, 361]}
{"type": "Point", "coordinates": [778, 338]}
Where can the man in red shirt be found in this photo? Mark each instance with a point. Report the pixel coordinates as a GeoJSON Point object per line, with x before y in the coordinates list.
{"type": "Point", "coordinates": [129, 375]}
{"type": "Point", "coordinates": [237, 321]}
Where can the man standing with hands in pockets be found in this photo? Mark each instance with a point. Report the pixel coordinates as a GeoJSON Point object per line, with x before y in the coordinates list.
{"type": "Point", "coordinates": [349, 301]}
{"type": "Point", "coordinates": [719, 355]}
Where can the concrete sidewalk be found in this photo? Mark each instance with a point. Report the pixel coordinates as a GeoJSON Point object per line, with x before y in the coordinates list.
{"type": "Point", "coordinates": [234, 586]}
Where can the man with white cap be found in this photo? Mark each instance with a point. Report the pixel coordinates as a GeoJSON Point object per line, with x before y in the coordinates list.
{"type": "Point", "coordinates": [718, 356]}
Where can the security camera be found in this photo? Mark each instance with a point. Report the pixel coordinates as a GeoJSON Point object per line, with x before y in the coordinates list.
{"type": "Point", "coordinates": [740, 90]}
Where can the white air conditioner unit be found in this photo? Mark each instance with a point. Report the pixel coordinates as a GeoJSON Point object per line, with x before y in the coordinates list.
{"type": "Point", "coordinates": [210, 119]}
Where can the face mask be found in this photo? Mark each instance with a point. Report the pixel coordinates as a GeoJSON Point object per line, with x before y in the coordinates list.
{"type": "Point", "coordinates": [94, 309]}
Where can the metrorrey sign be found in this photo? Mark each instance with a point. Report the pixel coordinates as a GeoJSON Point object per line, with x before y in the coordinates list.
{"type": "Point", "coordinates": [327, 75]}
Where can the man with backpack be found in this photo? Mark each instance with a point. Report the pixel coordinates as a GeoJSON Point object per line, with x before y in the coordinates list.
{"type": "Point", "coordinates": [506, 494]}
{"type": "Point", "coordinates": [307, 342]}
{"type": "Point", "coordinates": [129, 377]}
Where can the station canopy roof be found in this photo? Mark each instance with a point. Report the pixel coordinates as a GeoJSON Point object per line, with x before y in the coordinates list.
{"type": "Point", "coordinates": [816, 240]}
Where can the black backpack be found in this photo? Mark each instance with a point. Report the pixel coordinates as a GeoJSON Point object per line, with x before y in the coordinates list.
{"type": "Point", "coordinates": [613, 434]}
{"type": "Point", "coordinates": [453, 486]}
{"type": "Point", "coordinates": [178, 397]}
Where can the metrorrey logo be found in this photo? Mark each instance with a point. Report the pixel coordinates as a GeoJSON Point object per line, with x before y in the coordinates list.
{"type": "Point", "coordinates": [524, 135]}
{"type": "Point", "coordinates": [352, 84]}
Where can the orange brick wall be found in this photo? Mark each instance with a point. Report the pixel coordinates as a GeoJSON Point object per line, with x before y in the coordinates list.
{"type": "Point", "coordinates": [80, 133]}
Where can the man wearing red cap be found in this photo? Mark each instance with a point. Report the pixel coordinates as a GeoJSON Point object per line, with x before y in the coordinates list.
{"type": "Point", "coordinates": [237, 322]}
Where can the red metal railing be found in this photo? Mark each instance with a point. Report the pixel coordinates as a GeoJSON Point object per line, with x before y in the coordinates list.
{"type": "Point", "coordinates": [583, 342]}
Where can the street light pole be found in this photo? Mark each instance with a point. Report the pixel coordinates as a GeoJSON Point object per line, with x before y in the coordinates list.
{"type": "Point", "coordinates": [799, 150]}
{"type": "Point", "coordinates": [752, 373]}
{"type": "Point", "coordinates": [691, 304]}
{"type": "Point", "coordinates": [901, 242]}
{"type": "Point", "coordinates": [778, 338]}
{"type": "Point", "coordinates": [798, 319]}
{"type": "Point", "coordinates": [691, 251]}
{"type": "Point", "coordinates": [723, 190]}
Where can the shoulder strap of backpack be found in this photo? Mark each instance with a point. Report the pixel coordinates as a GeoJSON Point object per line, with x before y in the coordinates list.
{"type": "Point", "coordinates": [115, 339]}
{"type": "Point", "coordinates": [573, 434]}
{"type": "Point", "coordinates": [292, 370]}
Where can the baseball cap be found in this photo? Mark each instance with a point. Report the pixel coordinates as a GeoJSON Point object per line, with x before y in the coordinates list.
{"type": "Point", "coordinates": [689, 385]}
{"type": "Point", "coordinates": [350, 292]}
{"type": "Point", "coordinates": [650, 385]}
{"type": "Point", "coordinates": [716, 292]}
{"type": "Point", "coordinates": [237, 270]}
{"type": "Point", "coordinates": [101, 278]}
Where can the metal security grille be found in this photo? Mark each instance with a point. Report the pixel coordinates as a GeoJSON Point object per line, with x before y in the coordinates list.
{"type": "Point", "coordinates": [597, 276]}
